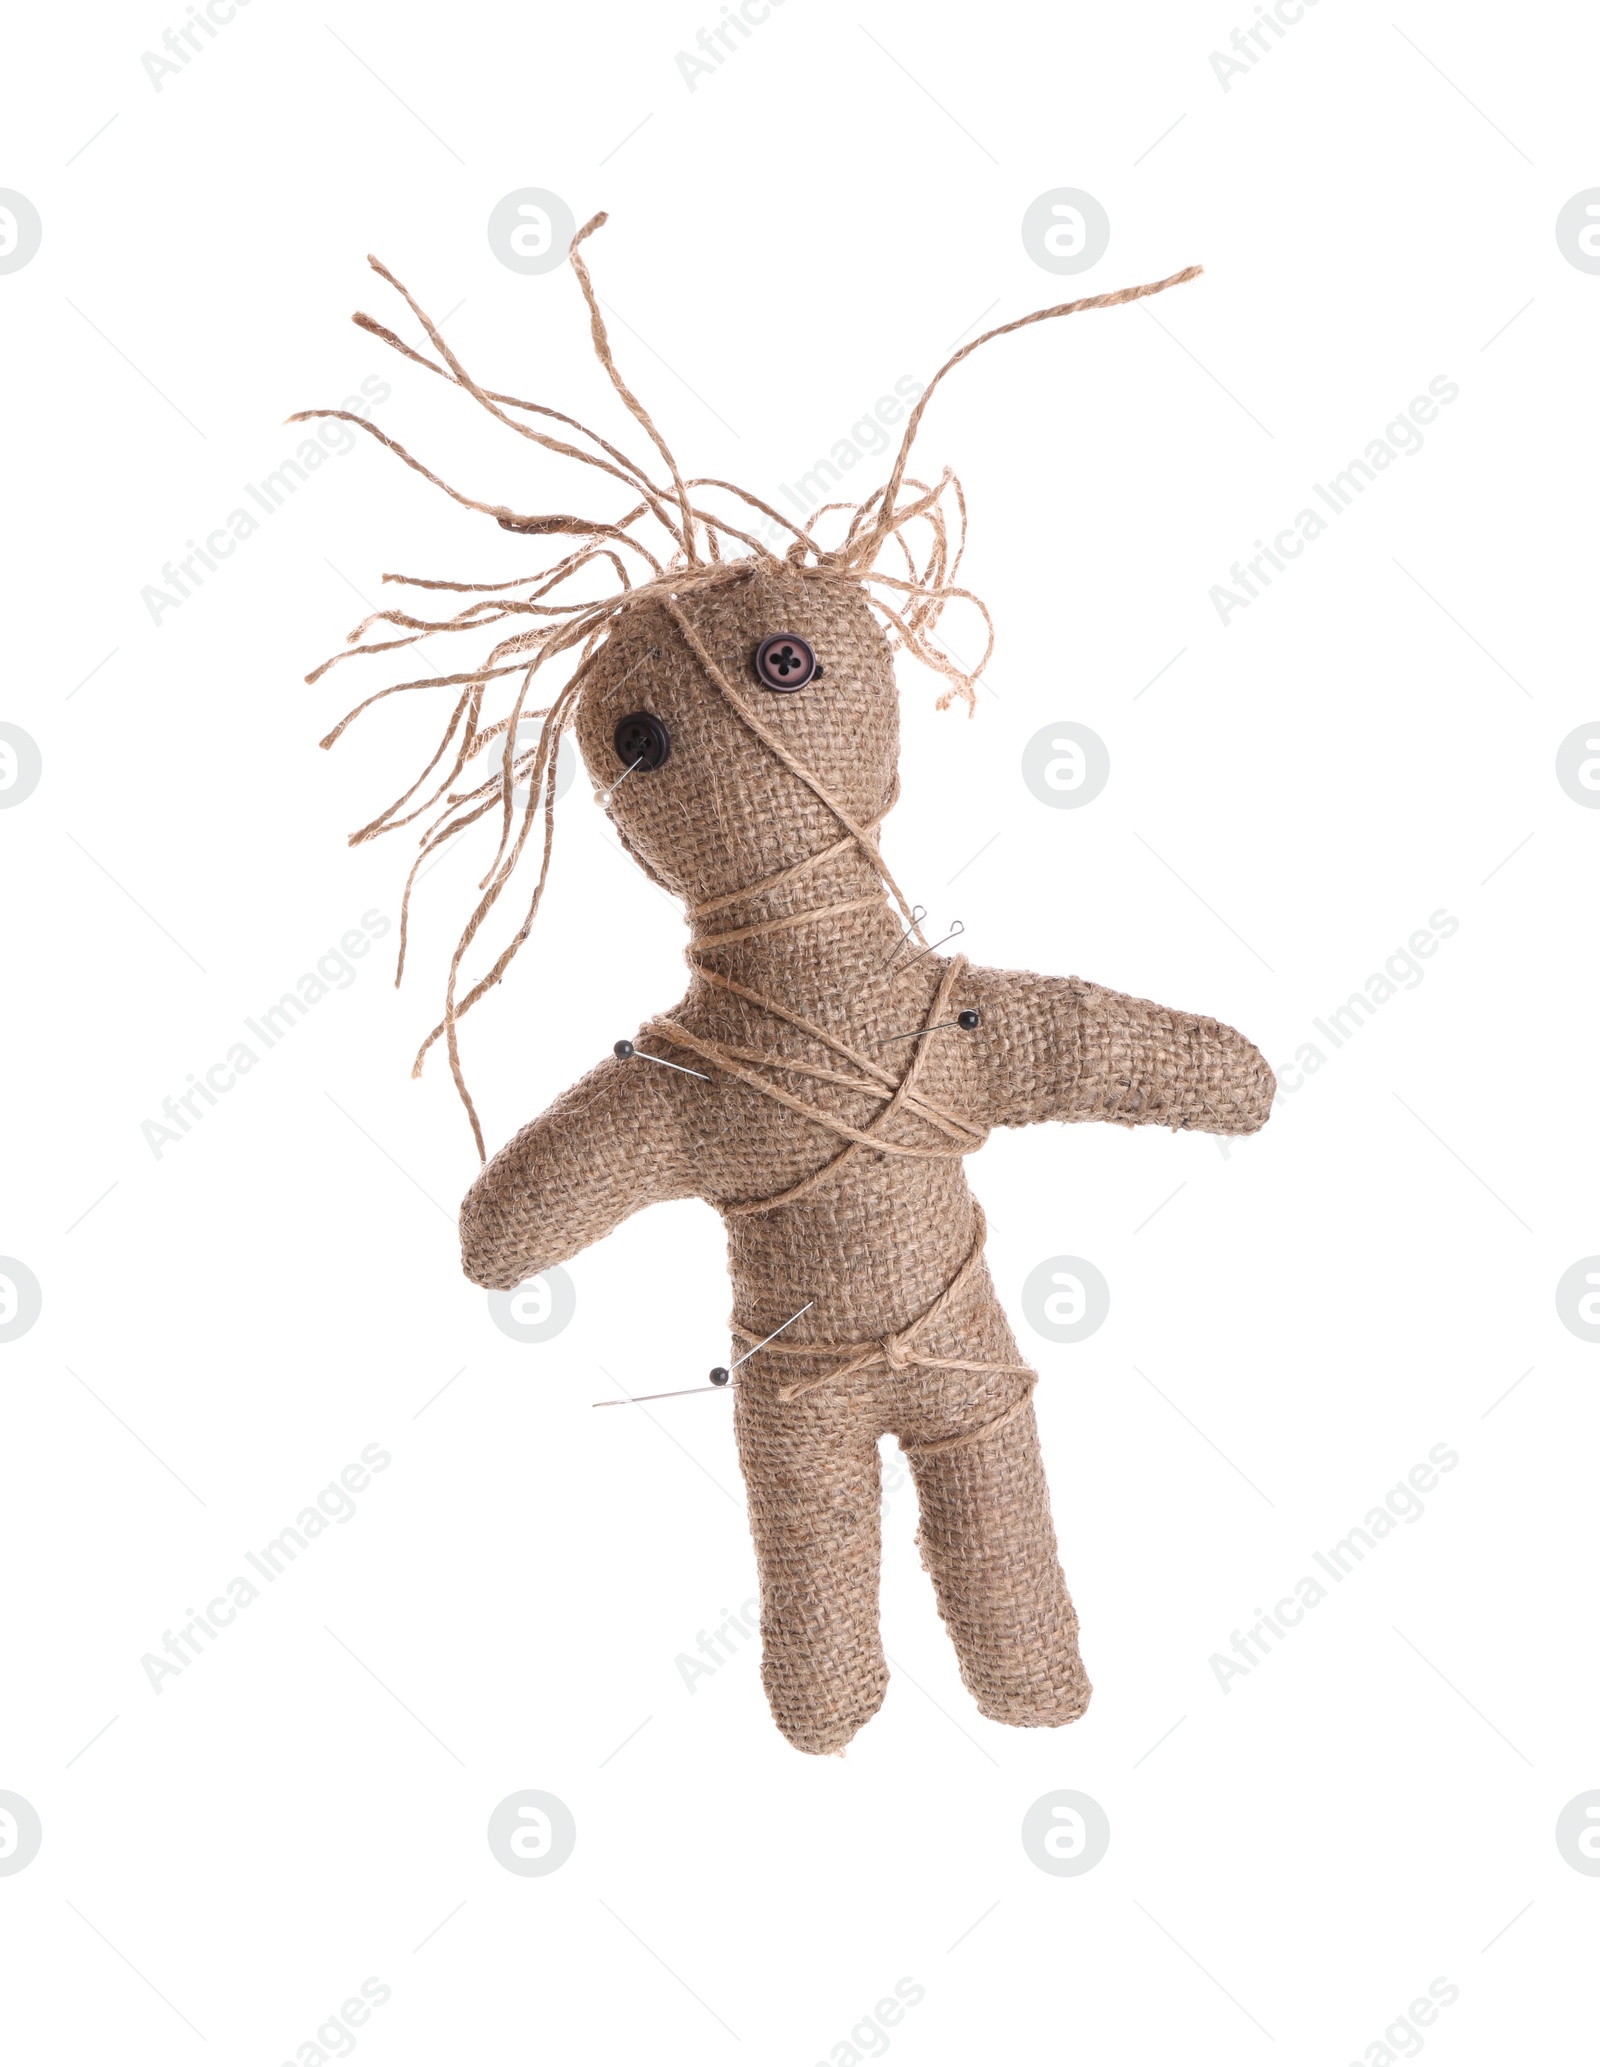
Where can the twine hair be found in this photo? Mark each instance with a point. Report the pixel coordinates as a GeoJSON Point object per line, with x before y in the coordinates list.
{"type": "Point", "coordinates": [663, 546]}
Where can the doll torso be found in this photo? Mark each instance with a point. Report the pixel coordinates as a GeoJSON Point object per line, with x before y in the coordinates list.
{"type": "Point", "coordinates": [872, 1238]}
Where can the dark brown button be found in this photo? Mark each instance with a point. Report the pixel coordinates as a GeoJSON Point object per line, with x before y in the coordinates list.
{"type": "Point", "coordinates": [785, 662]}
{"type": "Point", "coordinates": [642, 741]}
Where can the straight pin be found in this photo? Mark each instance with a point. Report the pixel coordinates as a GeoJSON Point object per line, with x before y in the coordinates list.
{"type": "Point", "coordinates": [607, 795]}
{"type": "Point", "coordinates": [721, 1374]}
{"type": "Point", "coordinates": [719, 1377]}
{"type": "Point", "coordinates": [968, 1022]}
{"type": "Point", "coordinates": [624, 1050]}
{"type": "Point", "coordinates": [918, 913]}
{"type": "Point", "coordinates": [958, 927]}
{"type": "Point", "coordinates": [650, 653]}
{"type": "Point", "coordinates": [638, 1399]}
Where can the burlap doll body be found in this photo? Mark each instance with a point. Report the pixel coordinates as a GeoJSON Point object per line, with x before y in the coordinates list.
{"type": "Point", "coordinates": [831, 1148]}
{"type": "Point", "coordinates": [865, 1212]}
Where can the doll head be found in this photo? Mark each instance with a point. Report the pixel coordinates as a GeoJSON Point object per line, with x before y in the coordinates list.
{"type": "Point", "coordinates": [703, 803]}
{"type": "Point", "coordinates": [734, 770]}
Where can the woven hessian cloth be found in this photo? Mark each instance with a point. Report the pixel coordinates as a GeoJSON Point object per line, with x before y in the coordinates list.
{"type": "Point", "coordinates": [874, 1239]}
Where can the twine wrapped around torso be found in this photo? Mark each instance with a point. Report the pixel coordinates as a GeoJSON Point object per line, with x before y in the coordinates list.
{"type": "Point", "coordinates": [897, 1349]}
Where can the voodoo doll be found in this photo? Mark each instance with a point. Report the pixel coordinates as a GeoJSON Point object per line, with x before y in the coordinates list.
{"type": "Point", "coordinates": [818, 1083]}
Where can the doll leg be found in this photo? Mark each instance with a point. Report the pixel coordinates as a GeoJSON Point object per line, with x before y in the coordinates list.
{"type": "Point", "coordinates": [987, 1541]}
{"type": "Point", "coordinates": [811, 1470]}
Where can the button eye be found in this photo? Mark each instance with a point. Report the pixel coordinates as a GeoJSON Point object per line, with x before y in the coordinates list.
{"type": "Point", "coordinates": [642, 741]}
{"type": "Point", "coordinates": [785, 662]}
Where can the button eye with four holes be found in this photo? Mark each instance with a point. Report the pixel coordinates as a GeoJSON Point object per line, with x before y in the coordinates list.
{"type": "Point", "coordinates": [786, 662]}
{"type": "Point", "coordinates": [642, 741]}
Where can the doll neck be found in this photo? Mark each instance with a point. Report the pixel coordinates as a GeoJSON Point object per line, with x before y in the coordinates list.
{"type": "Point", "coordinates": [844, 925]}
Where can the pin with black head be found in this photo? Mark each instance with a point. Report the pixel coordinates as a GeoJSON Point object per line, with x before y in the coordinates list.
{"type": "Point", "coordinates": [721, 1374]}
{"type": "Point", "coordinates": [625, 1051]}
{"type": "Point", "coordinates": [968, 1022]}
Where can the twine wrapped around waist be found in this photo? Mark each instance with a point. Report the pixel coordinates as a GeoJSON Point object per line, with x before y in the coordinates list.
{"type": "Point", "coordinates": [900, 1350]}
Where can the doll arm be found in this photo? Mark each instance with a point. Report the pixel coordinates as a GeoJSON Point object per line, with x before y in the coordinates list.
{"type": "Point", "coordinates": [1058, 1048]}
{"type": "Point", "coordinates": [611, 1144]}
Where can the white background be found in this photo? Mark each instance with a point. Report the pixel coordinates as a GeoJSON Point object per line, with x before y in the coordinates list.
{"type": "Point", "coordinates": [305, 1806]}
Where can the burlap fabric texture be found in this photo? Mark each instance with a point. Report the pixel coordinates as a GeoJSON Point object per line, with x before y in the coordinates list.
{"type": "Point", "coordinates": [833, 1155]}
